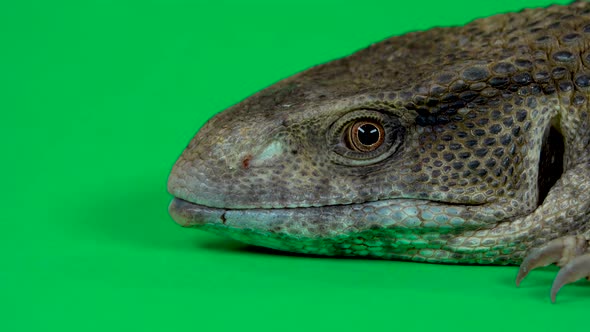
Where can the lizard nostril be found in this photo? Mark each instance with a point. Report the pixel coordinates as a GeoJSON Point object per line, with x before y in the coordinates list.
{"type": "Point", "coordinates": [246, 161]}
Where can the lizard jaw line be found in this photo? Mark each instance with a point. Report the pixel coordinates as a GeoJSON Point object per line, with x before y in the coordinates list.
{"type": "Point", "coordinates": [397, 213]}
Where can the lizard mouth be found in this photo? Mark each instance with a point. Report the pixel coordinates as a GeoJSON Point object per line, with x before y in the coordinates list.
{"type": "Point", "coordinates": [188, 214]}
{"type": "Point", "coordinates": [398, 228]}
{"type": "Point", "coordinates": [326, 221]}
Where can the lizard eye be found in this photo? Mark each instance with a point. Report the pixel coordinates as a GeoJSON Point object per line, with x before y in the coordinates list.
{"type": "Point", "coordinates": [364, 137]}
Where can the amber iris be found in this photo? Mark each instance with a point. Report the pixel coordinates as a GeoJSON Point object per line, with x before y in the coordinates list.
{"type": "Point", "coordinates": [365, 136]}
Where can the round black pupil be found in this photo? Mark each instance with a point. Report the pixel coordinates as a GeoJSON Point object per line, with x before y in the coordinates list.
{"type": "Point", "coordinates": [368, 134]}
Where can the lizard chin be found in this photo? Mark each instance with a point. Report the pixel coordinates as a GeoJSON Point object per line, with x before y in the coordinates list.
{"type": "Point", "coordinates": [409, 229]}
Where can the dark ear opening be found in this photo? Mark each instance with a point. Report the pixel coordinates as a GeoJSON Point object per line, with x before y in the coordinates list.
{"type": "Point", "coordinates": [550, 163]}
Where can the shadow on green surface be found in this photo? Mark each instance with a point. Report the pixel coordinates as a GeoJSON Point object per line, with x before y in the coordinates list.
{"type": "Point", "coordinates": [221, 244]}
{"type": "Point", "coordinates": [537, 285]}
{"type": "Point", "coordinates": [228, 245]}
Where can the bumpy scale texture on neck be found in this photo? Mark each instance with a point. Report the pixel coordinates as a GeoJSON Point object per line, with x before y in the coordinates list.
{"type": "Point", "coordinates": [464, 144]}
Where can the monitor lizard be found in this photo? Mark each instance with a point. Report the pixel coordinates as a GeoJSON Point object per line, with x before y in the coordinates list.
{"type": "Point", "coordinates": [458, 145]}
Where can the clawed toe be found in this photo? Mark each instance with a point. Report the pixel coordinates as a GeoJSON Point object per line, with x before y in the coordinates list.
{"type": "Point", "coordinates": [559, 251]}
{"type": "Point", "coordinates": [576, 269]}
{"type": "Point", "coordinates": [567, 252]}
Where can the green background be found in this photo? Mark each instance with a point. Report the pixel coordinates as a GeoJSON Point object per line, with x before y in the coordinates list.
{"type": "Point", "coordinates": [98, 100]}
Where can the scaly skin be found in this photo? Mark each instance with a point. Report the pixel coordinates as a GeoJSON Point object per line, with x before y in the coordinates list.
{"type": "Point", "coordinates": [485, 153]}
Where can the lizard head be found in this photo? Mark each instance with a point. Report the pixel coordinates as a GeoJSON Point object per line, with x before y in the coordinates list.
{"type": "Point", "coordinates": [401, 150]}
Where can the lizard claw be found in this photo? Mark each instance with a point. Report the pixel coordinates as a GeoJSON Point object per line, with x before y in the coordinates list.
{"type": "Point", "coordinates": [559, 251]}
{"type": "Point", "coordinates": [577, 268]}
{"type": "Point", "coordinates": [567, 252]}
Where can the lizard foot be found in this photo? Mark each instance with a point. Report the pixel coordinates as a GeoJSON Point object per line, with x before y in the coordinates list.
{"type": "Point", "coordinates": [577, 268]}
{"type": "Point", "coordinates": [568, 253]}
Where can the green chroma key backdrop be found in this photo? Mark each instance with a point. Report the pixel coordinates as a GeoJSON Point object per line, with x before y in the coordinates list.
{"type": "Point", "coordinates": [98, 100]}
